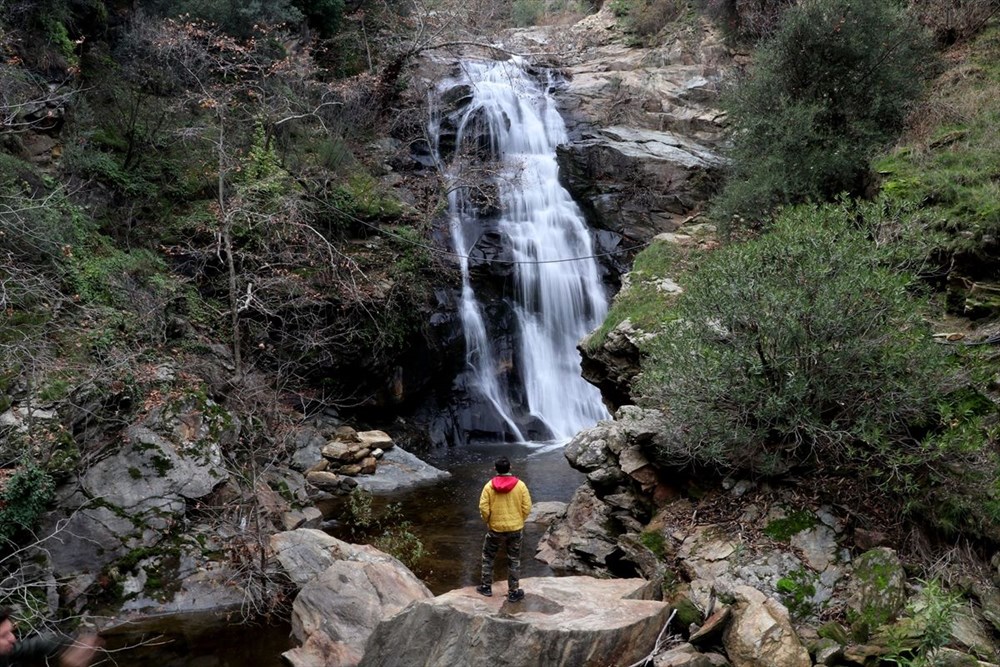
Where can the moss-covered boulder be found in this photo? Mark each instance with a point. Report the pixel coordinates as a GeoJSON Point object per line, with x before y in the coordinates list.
{"type": "Point", "coordinates": [876, 591]}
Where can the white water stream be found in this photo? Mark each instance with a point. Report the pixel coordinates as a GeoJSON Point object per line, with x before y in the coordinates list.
{"type": "Point", "coordinates": [557, 294]}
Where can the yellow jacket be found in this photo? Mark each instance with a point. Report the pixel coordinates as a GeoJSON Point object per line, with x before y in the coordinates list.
{"type": "Point", "coordinates": [505, 503]}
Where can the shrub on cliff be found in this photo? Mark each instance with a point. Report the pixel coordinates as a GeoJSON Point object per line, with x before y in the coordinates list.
{"type": "Point", "coordinates": [833, 84]}
{"type": "Point", "coordinates": [798, 348]}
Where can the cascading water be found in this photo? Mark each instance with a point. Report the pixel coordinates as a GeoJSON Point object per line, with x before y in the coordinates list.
{"type": "Point", "coordinates": [534, 236]}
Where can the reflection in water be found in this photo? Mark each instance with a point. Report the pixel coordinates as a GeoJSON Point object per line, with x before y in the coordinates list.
{"type": "Point", "coordinates": [197, 640]}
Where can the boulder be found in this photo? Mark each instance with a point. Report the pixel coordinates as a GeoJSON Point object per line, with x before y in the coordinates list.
{"type": "Point", "coordinates": [571, 621]}
{"type": "Point", "coordinates": [306, 553]}
{"type": "Point", "coordinates": [761, 634]}
{"type": "Point", "coordinates": [683, 655]}
{"type": "Point", "coordinates": [946, 657]}
{"type": "Point", "coordinates": [154, 475]}
{"type": "Point", "coordinates": [582, 541]}
{"type": "Point", "coordinates": [345, 591]}
{"type": "Point", "coordinates": [375, 440]}
{"type": "Point", "coordinates": [613, 365]}
{"type": "Point", "coordinates": [308, 517]}
{"type": "Point", "coordinates": [546, 512]}
{"type": "Point", "coordinates": [876, 592]}
{"type": "Point", "coordinates": [399, 469]}
{"type": "Point", "coordinates": [344, 604]}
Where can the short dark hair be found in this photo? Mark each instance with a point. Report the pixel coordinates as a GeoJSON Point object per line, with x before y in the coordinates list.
{"type": "Point", "coordinates": [502, 465]}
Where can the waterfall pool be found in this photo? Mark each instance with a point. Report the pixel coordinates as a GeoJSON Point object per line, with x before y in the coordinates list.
{"type": "Point", "coordinates": [445, 515]}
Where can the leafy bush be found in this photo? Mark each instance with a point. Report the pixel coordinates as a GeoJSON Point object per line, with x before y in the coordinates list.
{"type": "Point", "coordinates": [527, 12]}
{"type": "Point", "coordinates": [833, 84]}
{"type": "Point", "coordinates": [747, 20]}
{"type": "Point", "coordinates": [927, 626]}
{"type": "Point", "coordinates": [954, 20]}
{"type": "Point", "coordinates": [240, 19]}
{"type": "Point", "coordinates": [798, 347]}
{"type": "Point", "coordinates": [24, 496]}
{"type": "Point", "coordinates": [385, 530]}
{"type": "Point", "coordinates": [645, 18]}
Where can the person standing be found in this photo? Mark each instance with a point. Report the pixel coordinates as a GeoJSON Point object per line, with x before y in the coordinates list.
{"type": "Point", "coordinates": [504, 505]}
{"type": "Point", "coordinates": [66, 652]}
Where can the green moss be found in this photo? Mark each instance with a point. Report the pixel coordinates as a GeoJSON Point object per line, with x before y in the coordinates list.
{"type": "Point", "coordinates": [361, 197]}
{"type": "Point", "coordinates": [836, 632]}
{"type": "Point", "coordinates": [953, 175]}
{"type": "Point", "coordinates": [55, 389]}
{"type": "Point", "coordinates": [878, 577]}
{"type": "Point", "coordinates": [64, 457]}
{"type": "Point", "coordinates": [783, 529]}
{"type": "Point", "coordinates": [687, 612]}
{"type": "Point", "coordinates": [162, 464]}
{"type": "Point", "coordinates": [644, 303]}
{"type": "Point", "coordinates": [796, 591]}
{"type": "Point", "coordinates": [134, 473]}
{"type": "Point", "coordinates": [655, 542]}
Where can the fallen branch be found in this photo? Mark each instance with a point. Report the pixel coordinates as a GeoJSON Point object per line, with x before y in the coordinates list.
{"type": "Point", "coordinates": [658, 646]}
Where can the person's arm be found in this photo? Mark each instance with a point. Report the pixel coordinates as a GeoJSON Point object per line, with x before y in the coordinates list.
{"type": "Point", "coordinates": [79, 652]}
{"type": "Point", "coordinates": [525, 502]}
{"type": "Point", "coordinates": [34, 648]}
{"type": "Point", "coordinates": [70, 652]}
{"type": "Point", "coordinates": [484, 503]}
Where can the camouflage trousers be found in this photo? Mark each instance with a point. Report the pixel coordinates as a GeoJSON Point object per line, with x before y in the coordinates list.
{"type": "Point", "coordinates": [512, 546]}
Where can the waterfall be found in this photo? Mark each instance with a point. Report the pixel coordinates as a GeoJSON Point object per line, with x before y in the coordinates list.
{"type": "Point", "coordinates": [511, 219]}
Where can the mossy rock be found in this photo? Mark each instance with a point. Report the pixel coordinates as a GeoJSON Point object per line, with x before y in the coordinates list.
{"type": "Point", "coordinates": [687, 612]}
{"type": "Point", "coordinates": [876, 592]}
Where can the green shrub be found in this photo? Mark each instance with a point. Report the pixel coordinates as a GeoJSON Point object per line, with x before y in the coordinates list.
{"type": "Point", "coordinates": [105, 275]}
{"type": "Point", "coordinates": [527, 12]}
{"type": "Point", "coordinates": [360, 197]}
{"type": "Point", "coordinates": [799, 346]}
{"type": "Point", "coordinates": [746, 21]}
{"type": "Point", "coordinates": [833, 84]}
{"type": "Point", "coordinates": [244, 19]}
{"type": "Point", "coordinates": [386, 530]}
{"type": "Point", "coordinates": [25, 495]}
{"type": "Point", "coordinates": [325, 16]}
{"type": "Point", "coordinates": [646, 18]}
{"type": "Point", "coordinates": [927, 627]}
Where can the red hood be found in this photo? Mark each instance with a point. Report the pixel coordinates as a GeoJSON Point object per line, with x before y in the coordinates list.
{"type": "Point", "coordinates": [504, 483]}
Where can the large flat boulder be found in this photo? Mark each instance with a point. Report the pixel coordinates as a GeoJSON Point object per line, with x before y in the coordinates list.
{"type": "Point", "coordinates": [561, 622]}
